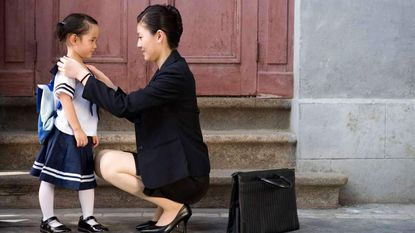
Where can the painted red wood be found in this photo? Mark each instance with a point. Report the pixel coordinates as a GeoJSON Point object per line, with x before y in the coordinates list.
{"type": "Point", "coordinates": [219, 42]}
{"type": "Point", "coordinates": [275, 37]}
{"type": "Point", "coordinates": [222, 41]}
{"type": "Point", "coordinates": [116, 54]}
{"type": "Point", "coordinates": [17, 47]}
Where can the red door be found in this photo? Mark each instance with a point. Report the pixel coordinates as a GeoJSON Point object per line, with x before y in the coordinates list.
{"type": "Point", "coordinates": [275, 43]}
{"type": "Point", "coordinates": [17, 47]}
{"type": "Point", "coordinates": [234, 47]}
{"type": "Point", "coordinates": [116, 54]}
{"type": "Point", "coordinates": [219, 42]}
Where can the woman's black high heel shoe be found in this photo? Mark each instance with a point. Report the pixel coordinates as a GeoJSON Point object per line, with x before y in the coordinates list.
{"type": "Point", "coordinates": [145, 225]}
{"type": "Point", "coordinates": [45, 226]}
{"type": "Point", "coordinates": [179, 223]}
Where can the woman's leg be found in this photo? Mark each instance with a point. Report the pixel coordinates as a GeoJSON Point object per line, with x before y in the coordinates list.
{"type": "Point", "coordinates": [118, 168]}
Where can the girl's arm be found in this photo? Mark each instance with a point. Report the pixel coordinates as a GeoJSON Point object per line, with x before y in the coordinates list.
{"type": "Point", "coordinates": [80, 136]}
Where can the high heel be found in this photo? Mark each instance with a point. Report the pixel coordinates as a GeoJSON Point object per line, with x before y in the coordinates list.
{"type": "Point", "coordinates": [178, 223]}
{"type": "Point", "coordinates": [145, 225]}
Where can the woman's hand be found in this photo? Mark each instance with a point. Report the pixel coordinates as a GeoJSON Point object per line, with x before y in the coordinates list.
{"type": "Point", "coordinates": [97, 73]}
{"type": "Point", "coordinates": [71, 68]}
{"type": "Point", "coordinates": [95, 141]}
{"type": "Point", "coordinates": [81, 138]}
{"type": "Point", "coordinates": [101, 77]}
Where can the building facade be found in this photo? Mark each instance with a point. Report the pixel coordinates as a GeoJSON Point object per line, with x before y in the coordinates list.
{"type": "Point", "coordinates": [353, 106]}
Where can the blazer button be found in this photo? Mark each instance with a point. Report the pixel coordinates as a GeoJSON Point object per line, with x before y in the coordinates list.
{"type": "Point", "coordinates": [140, 147]}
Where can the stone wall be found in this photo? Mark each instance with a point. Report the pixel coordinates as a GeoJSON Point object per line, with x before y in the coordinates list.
{"type": "Point", "coordinates": [354, 95]}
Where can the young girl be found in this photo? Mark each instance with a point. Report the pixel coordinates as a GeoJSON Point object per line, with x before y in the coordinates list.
{"type": "Point", "coordinates": [66, 158]}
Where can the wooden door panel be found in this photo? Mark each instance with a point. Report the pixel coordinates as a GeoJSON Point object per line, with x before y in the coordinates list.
{"type": "Point", "coordinates": [275, 60]}
{"type": "Point", "coordinates": [116, 54]}
{"type": "Point", "coordinates": [219, 43]}
{"type": "Point", "coordinates": [212, 33]}
{"type": "Point", "coordinates": [112, 20]}
{"type": "Point", "coordinates": [234, 47]}
{"type": "Point", "coordinates": [111, 54]}
{"type": "Point", "coordinates": [17, 48]}
{"type": "Point", "coordinates": [216, 35]}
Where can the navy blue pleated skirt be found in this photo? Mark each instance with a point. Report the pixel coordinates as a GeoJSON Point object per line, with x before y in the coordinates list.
{"type": "Point", "coordinates": [61, 163]}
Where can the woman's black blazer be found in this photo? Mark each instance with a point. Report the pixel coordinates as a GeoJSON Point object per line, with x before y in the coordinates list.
{"type": "Point", "coordinates": [166, 117]}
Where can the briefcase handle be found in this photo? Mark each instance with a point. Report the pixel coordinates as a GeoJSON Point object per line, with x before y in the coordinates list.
{"type": "Point", "coordinates": [287, 184]}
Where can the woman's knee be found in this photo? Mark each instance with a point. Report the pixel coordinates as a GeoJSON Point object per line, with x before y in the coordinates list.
{"type": "Point", "coordinates": [103, 161]}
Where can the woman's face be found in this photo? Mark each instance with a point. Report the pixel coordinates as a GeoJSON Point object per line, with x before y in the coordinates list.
{"type": "Point", "coordinates": [148, 43]}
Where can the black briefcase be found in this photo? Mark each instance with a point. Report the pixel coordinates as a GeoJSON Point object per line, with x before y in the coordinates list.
{"type": "Point", "coordinates": [263, 202]}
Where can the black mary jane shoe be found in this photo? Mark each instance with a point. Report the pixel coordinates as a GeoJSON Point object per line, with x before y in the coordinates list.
{"type": "Point", "coordinates": [179, 223]}
{"type": "Point", "coordinates": [145, 225]}
{"type": "Point", "coordinates": [45, 226]}
{"type": "Point", "coordinates": [83, 226]}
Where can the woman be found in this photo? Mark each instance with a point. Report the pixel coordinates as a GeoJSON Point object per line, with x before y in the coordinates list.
{"type": "Point", "coordinates": [171, 166]}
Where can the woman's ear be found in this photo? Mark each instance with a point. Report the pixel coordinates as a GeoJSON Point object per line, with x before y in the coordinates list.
{"type": "Point", "coordinates": [160, 35]}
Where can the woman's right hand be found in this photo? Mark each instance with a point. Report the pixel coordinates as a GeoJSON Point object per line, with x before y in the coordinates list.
{"type": "Point", "coordinates": [97, 73]}
{"type": "Point", "coordinates": [101, 76]}
{"type": "Point", "coordinates": [80, 137]}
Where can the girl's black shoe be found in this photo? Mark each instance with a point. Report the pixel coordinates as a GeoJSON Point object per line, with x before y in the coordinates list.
{"type": "Point", "coordinates": [145, 225]}
{"type": "Point", "coordinates": [83, 226]}
{"type": "Point", "coordinates": [179, 223]}
{"type": "Point", "coordinates": [46, 228]}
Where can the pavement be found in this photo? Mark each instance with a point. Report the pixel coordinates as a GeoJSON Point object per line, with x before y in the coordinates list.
{"type": "Point", "coordinates": [369, 218]}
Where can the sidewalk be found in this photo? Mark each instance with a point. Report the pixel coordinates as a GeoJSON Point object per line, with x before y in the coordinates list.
{"type": "Point", "coordinates": [373, 218]}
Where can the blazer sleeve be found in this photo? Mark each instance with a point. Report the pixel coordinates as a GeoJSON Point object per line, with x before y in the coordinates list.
{"type": "Point", "coordinates": [167, 86]}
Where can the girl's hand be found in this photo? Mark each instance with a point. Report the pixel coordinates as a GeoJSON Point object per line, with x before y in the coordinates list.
{"type": "Point", "coordinates": [95, 141]}
{"type": "Point", "coordinates": [81, 138]}
{"type": "Point", "coordinates": [71, 68]}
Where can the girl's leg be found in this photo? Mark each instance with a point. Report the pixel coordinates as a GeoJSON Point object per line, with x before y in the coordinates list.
{"type": "Point", "coordinates": [118, 168]}
{"type": "Point", "coordinates": [86, 198]}
{"type": "Point", "coordinates": [46, 201]}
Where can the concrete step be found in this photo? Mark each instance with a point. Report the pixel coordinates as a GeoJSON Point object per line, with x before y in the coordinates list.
{"type": "Point", "coordinates": [313, 190]}
{"type": "Point", "coordinates": [216, 113]}
{"type": "Point", "coordinates": [237, 149]}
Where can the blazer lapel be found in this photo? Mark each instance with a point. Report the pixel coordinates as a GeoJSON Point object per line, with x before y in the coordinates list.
{"type": "Point", "coordinates": [173, 57]}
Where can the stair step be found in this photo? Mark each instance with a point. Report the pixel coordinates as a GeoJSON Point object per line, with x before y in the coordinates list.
{"type": "Point", "coordinates": [221, 113]}
{"type": "Point", "coordinates": [241, 149]}
{"type": "Point", "coordinates": [216, 113]}
{"type": "Point", "coordinates": [314, 190]}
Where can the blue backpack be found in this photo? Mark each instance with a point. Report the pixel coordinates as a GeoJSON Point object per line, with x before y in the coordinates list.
{"type": "Point", "coordinates": [46, 108]}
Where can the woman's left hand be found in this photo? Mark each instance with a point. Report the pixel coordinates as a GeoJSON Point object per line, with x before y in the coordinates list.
{"type": "Point", "coordinates": [71, 68]}
{"type": "Point", "coordinates": [95, 141]}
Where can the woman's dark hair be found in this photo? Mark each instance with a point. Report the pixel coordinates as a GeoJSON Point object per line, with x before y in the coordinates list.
{"type": "Point", "coordinates": [75, 23]}
{"type": "Point", "coordinates": [163, 17]}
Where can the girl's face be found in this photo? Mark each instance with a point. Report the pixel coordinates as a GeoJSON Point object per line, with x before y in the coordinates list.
{"type": "Point", "coordinates": [148, 43]}
{"type": "Point", "coordinates": [86, 44]}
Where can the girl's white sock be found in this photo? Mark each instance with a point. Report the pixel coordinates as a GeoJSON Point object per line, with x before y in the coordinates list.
{"type": "Point", "coordinates": [46, 199]}
{"type": "Point", "coordinates": [86, 198]}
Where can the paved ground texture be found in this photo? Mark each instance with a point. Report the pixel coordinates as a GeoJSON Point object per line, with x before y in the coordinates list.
{"type": "Point", "coordinates": [373, 218]}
